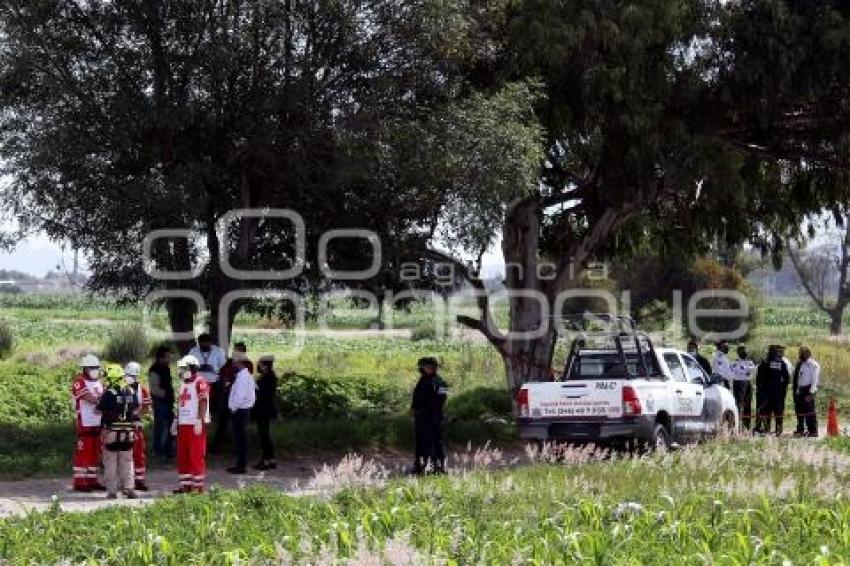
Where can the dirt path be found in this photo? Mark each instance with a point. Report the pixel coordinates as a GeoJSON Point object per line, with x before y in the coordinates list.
{"type": "Point", "coordinates": [297, 476]}
{"type": "Point", "coordinates": [18, 497]}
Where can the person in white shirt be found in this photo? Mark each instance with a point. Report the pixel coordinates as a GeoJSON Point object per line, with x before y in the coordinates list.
{"type": "Point", "coordinates": [211, 358]}
{"type": "Point", "coordinates": [721, 363]}
{"type": "Point", "coordinates": [805, 384]}
{"type": "Point", "coordinates": [243, 395]}
{"type": "Point", "coordinates": [742, 385]}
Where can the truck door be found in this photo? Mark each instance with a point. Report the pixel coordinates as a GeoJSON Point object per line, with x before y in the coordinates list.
{"type": "Point", "coordinates": [686, 399]}
{"type": "Point", "coordinates": [712, 407]}
{"type": "Point", "coordinates": [690, 399]}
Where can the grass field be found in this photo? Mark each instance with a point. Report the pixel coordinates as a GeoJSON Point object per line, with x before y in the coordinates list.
{"type": "Point", "coordinates": [729, 502]}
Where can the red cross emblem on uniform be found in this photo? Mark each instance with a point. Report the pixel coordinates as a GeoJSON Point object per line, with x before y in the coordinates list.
{"type": "Point", "coordinates": [184, 396]}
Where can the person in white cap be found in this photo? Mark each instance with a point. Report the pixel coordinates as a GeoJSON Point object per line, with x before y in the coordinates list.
{"type": "Point", "coordinates": [143, 398]}
{"type": "Point", "coordinates": [193, 415]}
{"type": "Point", "coordinates": [86, 392]}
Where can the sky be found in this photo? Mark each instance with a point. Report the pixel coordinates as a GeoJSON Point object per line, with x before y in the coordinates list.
{"type": "Point", "coordinates": [36, 255]}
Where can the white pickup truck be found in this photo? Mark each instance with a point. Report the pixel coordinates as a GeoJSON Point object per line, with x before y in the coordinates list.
{"type": "Point", "coordinates": [626, 391]}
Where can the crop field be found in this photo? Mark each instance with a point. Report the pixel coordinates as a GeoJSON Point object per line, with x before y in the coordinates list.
{"type": "Point", "coordinates": [729, 502]}
{"type": "Point", "coordinates": [734, 501]}
{"type": "Point", "coordinates": [341, 393]}
{"type": "Point", "coordinates": [337, 394]}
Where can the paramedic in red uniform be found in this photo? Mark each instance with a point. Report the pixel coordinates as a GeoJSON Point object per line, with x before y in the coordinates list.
{"type": "Point", "coordinates": [143, 398]}
{"type": "Point", "coordinates": [86, 392]}
{"type": "Point", "coordinates": [193, 415]}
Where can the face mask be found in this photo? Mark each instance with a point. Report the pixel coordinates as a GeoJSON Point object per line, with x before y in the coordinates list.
{"type": "Point", "coordinates": [206, 348]}
{"type": "Point", "coordinates": [93, 373]}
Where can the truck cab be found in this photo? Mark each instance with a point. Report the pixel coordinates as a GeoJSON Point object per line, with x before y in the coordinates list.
{"type": "Point", "coordinates": [618, 388]}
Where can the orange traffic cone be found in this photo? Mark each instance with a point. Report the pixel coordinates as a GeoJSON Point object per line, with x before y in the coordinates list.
{"type": "Point", "coordinates": [832, 419]}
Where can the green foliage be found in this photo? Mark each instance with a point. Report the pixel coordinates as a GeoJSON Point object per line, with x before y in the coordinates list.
{"type": "Point", "coordinates": [56, 302]}
{"type": "Point", "coordinates": [313, 397]}
{"type": "Point", "coordinates": [589, 302]}
{"type": "Point", "coordinates": [653, 282]}
{"type": "Point", "coordinates": [127, 343]}
{"type": "Point", "coordinates": [32, 395]}
{"type": "Point", "coordinates": [7, 339]}
{"type": "Point", "coordinates": [36, 424]}
{"type": "Point", "coordinates": [480, 403]}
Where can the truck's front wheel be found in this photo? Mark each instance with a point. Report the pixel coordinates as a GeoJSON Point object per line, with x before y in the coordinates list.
{"type": "Point", "coordinates": [660, 438]}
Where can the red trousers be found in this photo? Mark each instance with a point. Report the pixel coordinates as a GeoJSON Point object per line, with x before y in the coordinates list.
{"type": "Point", "coordinates": [191, 457]}
{"type": "Point", "coordinates": [139, 458]}
{"type": "Point", "coordinates": [87, 456]}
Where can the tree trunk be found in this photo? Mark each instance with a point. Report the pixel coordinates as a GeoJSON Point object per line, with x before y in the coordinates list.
{"type": "Point", "coordinates": [836, 320]}
{"type": "Point", "coordinates": [222, 334]}
{"type": "Point", "coordinates": [181, 312]}
{"type": "Point", "coordinates": [525, 359]}
{"type": "Point", "coordinates": [528, 348]}
{"type": "Point", "coordinates": [529, 360]}
{"type": "Point", "coordinates": [181, 318]}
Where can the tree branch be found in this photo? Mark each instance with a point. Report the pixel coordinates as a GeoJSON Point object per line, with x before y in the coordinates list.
{"type": "Point", "coordinates": [804, 279]}
{"type": "Point", "coordinates": [484, 324]}
{"type": "Point", "coordinates": [611, 219]}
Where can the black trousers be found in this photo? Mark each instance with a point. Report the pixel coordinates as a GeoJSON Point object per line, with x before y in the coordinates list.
{"type": "Point", "coordinates": [263, 429]}
{"type": "Point", "coordinates": [429, 442]}
{"type": "Point", "coordinates": [163, 416]}
{"type": "Point", "coordinates": [743, 391]}
{"type": "Point", "coordinates": [807, 420]}
{"type": "Point", "coordinates": [240, 435]}
{"type": "Point", "coordinates": [772, 406]}
{"type": "Point", "coordinates": [218, 404]}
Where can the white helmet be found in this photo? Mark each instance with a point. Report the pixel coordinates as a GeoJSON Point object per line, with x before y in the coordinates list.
{"type": "Point", "coordinates": [133, 368]}
{"type": "Point", "coordinates": [90, 361]}
{"type": "Point", "coordinates": [188, 361]}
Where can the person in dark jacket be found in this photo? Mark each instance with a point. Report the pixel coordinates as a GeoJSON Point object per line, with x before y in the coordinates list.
{"type": "Point", "coordinates": [772, 381]}
{"type": "Point", "coordinates": [161, 389]}
{"type": "Point", "coordinates": [265, 410]}
{"type": "Point", "coordinates": [118, 407]}
{"type": "Point", "coordinates": [429, 398]}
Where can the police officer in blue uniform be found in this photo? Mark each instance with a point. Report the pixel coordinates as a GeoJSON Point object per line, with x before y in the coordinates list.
{"type": "Point", "coordinates": [772, 382]}
{"type": "Point", "coordinates": [429, 398]}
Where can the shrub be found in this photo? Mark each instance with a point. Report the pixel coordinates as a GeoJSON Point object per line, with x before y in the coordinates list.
{"type": "Point", "coordinates": [7, 340]}
{"type": "Point", "coordinates": [309, 396]}
{"type": "Point", "coordinates": [127, 343]}
{"type": "Point", "coordinates": [479, 403]}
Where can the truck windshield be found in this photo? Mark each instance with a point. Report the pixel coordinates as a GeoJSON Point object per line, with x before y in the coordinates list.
{"type": "Point", "coordinates": [609, 365]}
